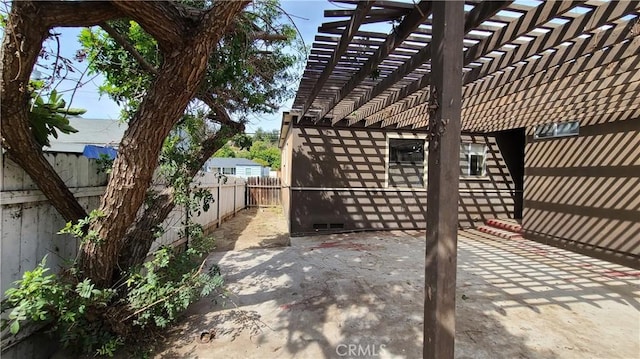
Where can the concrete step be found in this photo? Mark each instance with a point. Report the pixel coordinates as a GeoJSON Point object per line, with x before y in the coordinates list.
{"type": "Point", "coordinates": [502, 233]}
{"type": "Point", "coordinates": [507, 225]}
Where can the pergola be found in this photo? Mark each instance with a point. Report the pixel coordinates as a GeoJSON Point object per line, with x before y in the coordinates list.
{"type": "Point", "coordinates": [521, 61]}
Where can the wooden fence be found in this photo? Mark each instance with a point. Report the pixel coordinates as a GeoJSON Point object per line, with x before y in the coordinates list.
{"type": "Point", "coordinates": [29, 226]}
{"type": "Point", "coordinates": [263, 192]}
{"type": "Point", "coordinates": [29, 223]}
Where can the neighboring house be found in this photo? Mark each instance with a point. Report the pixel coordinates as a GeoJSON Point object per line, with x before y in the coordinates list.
{"type": "Point", "coordinates": [550, 128]}
{"type": "Point", "coordinates": [100, 133]}
{"type": "Point", "coordinates": [240, 167]}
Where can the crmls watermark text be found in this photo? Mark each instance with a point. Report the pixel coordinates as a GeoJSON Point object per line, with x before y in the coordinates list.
{"type": "Point", "coordinates": [359, 350]}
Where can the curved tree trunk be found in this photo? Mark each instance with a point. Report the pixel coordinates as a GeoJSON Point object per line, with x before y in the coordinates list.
{"type": "Point", "coordinates": [23, 37]}
{"type": "Point", "coordinates": [176, 84]}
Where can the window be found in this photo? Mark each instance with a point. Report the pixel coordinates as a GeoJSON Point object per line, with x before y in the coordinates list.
{"type": "Point", "coordinates": [472, 160]}
{"type": "Point", "coordinates": [228, 171]}
{"type": "Point", "coordinates": [406, 166]}
{"type": "Point", "coordinates": [247, 171]}
{"type": "Point", "coordinates": [557, 129]}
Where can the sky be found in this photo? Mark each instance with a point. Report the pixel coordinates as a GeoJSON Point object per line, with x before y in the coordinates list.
{"type": "Point", "coordinates": [307, 15]}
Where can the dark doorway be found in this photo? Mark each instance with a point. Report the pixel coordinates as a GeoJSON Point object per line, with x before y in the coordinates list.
{"type": "Point", "coordinates": [511, 144]}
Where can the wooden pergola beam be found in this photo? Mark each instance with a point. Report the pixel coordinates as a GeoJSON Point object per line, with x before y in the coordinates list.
{"type": "Point", "coordinates": [562, 79]}
{"type": "Point", "coordinates": [513, 30]}
{"type": "Point", "coordinates": [621, 96]}
{"type": "Point", "coordinates": [442, 187]}
{"type": "Point", "coordinates": [410, 22]}
{"type": "Point", "coordinates": [602, 109]}
{"type": "Point", "coordinates": [579, 48]}
{"type": "Point", "coordinates": [475, 17]}
{"type": "Point", "coordinates": [619, 58]}
{"type": "Point", "coordinates": [590, 21]}
{"type": "Point", "coordinates": [373, 12]}
{"type": "Point", "coordinates": [354, 23]}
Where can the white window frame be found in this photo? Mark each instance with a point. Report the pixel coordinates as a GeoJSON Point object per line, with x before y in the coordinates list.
{"type": "Point", "coordinates": [469, 152]}
{"type": "Point", "coordinates": [405, 136]}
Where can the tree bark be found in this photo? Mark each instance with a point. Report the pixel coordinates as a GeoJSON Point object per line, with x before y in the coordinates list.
{"type": "Point", "coordinates": [23, 37]}
{"type": "Point", "coordinates": [140, 236]}
{"type": "Point", "coordinates": [178, 79]}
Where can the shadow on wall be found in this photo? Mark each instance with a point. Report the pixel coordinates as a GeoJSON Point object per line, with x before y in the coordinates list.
{"type": "Point", "coordinates": [338, 180]}
{"type": "Point", "coordinates": [583, 192]}
{"type": "Point", "coordinates": [338, 183]}
{"type": "Point", "coordinates": [335, 299]}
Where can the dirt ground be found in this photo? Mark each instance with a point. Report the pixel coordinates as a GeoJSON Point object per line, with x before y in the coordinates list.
{"type": "Point", "coordinates": [253, 228]}
{"type": "Point", "coordinates": [361, 296]}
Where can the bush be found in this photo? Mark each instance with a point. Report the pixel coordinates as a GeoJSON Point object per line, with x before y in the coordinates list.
{"type": "Point", "coordinates": [98, 321]}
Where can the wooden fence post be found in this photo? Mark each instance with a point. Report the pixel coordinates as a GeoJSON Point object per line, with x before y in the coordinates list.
{"type": "Point", "coordinates": [218, 205]}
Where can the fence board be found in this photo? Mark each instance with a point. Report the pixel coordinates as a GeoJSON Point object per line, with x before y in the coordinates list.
{"type": "Point", "coordinates": [29, 224]}
{"type": "Point", "coordinates": [263, 192]}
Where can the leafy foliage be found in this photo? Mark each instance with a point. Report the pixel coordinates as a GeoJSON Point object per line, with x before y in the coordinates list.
{"type": "Point", "coordinates": [242, 141]}
{"type": "Point", "coordinates": [93, 320]}
{"type": "Point", "coordinates": [78, 229]}
{"type": "Point", "coordinates": [104, 163]}
{"type": "Point", "coordinates": [266, 152]}
{"type": "Point", "coordinates": [267, 136]}
{"type": "Point", "coordinates": [47, 118]}
{"type": "Point", "coordinates": [68, 305]}
{"type": "Point", "coordinates": [262, 148]}
{"type": "Point", "coordinates": [125, 79]}
{"type": "Point", "coordinates": [225, 151]}
{"type": "Point", "coordinates": [246, 73]}
{"type": "Point", "coordinates": [169, 283]}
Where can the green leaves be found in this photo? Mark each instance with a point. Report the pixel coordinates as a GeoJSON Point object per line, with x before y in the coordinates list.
{"type": "Point", "coordinates": [79, 230]}
{"type": "Point", "coordinates": [41, 297]}
{"type": "Point", "coordinates": [169, 283]}
{"type": "Point", "coordinates": [15, 327]}
{"type": "Point", "coordinates": [47, 118]}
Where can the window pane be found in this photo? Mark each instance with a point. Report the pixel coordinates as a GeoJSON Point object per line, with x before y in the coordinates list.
{"type": "Point", "coordinates": [464, 159]}
{"type": "Point", "coordinates": [567, 128]}
{"type": "Point", "coordinates": [544, 131]}
{"type": "Point", "coordinates": [472, 159]}
{"type": "Point", "coordinates": [406, 163]}
{"type": "Point", "coordinates": [476, 165]}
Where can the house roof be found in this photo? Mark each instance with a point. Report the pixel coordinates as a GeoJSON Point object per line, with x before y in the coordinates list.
{"type": "Point", "coordinates": [228, 162]}
{"type": "Point", "coordinates": [90, 132]}
{"type": "Point", "coordinates": [523, 62]}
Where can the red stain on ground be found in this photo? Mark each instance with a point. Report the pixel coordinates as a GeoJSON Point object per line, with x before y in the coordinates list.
{"type": "Point", "coordinates": [617, 273]}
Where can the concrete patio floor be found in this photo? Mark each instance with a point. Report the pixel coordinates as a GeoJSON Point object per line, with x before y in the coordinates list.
{"type": "Point", "coordinates": [328, 294]}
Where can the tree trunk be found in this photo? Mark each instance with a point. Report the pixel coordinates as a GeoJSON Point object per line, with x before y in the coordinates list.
{"type": "Point", "coordinates": [178, 79]}
{"type": "Point", "coordinates": [23, 37]}
{"type": "Point", "coordinates": [140, 236]}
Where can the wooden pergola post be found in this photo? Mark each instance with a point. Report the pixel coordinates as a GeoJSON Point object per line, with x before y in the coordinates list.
{"type": "Point", "coordinates": [442, 187]}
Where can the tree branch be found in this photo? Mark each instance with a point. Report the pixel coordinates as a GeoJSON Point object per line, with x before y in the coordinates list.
{"type": "Point", "coordinates": [167, 22]}
{"type": "Point", "coordinates": [24, 34]}
{"type": "Point", "coordinates": [75, 13]}
{"type": "Point", "coordinates": [266, 36]}
{"type": "Point", "coordinates": [120, 39]}
{"type": "Point", "coordinates": [219, 113]}
{"type": "Point", "coordinates": [139, 237]}
{"type": "Point", "coordinates": [178, 81]}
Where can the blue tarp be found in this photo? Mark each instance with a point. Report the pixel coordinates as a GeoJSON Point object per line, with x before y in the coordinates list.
{"type": "Point", "coordinates": [91, 151]}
